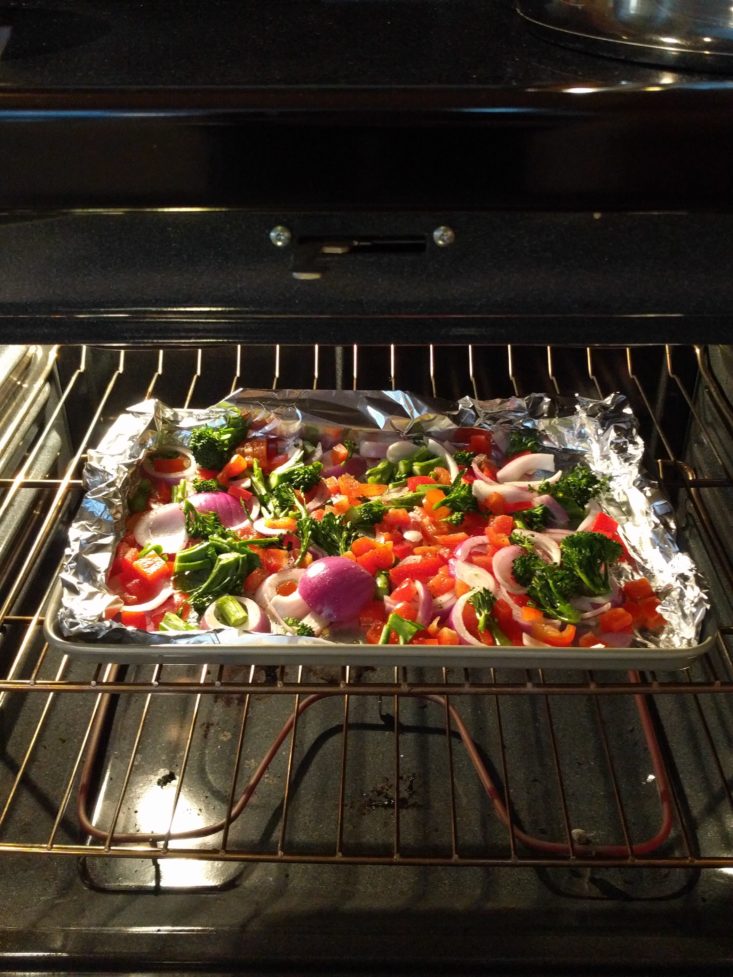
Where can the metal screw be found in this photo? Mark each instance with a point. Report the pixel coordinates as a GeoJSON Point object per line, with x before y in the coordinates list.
{"type": "Point", "coordinates": [281, 236]}
{"type": "Point", "coordinates": [444, 236]}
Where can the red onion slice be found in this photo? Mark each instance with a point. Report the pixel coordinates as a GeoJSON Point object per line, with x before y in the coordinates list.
{"type": "Point", "coordinates": [517, 467]}
{"type": "Point", "coordinates": [373, 449]}
{"type": "Point", "coordinates": [502, 564]}
{"type": "Point", "coordinates": [593, 510]}
{"type": "Point", "coordinates": [458, 625]}
{"type": "Point", "coordinates": [153, 603]}
{"type": "Point", "coordinates": [257, 620]}
{"type": "Point", "coordinates": [225, 506]}
{"type": "Point", "coordinates": [172, 478]}
{"type": "Point", "coordinates": [509, 491]}
{"type": "Point", "coordinates": [442, 452]}
{"type": "Point", "coordinates": [465, 549]}
{"type": "Point", "coordinates": [282, 605]}
{"type": "Point", "coordinates": [164, 526]}
{"type": "Point", "coordinates": [529, 642]}
{"type": "Point", "coordinates": [320, 497]}
{"type": "Point", "coordinates": [444, 603]}
{"type": "Point", "coordinates": [595, 612]}
{"type": "Point", "coordinates": [545, 545]}
{"type": "Point", "coordinates": [424, 604]}
{"type": "Point", "coordinates": [556, 510]}
{"type": "Point", "coordinates": [336, 588]}
{"type": "Point", "coordinates": [476, 577]}
{"type": "Point", "coordinates": [261, 527]}
{"type": "Point", "coordinates": [481, 476]}
{"type": "Point", "coordinates": [399, 450]}
{"type": "Point", "coordinates": [413, 536]}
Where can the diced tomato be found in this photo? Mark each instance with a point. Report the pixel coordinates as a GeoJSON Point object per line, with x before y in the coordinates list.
{"type": "Point", "coordinates": [286, 588]}
{"type": "Point", "coordinates": [421, 638]}
{"type": "Point", "coordinates": [373, 613]}
{"type": "Point", "coordinates": [332, 484]}
{"type": "Point", "coordinates": [286, 522]}
{"type": "Point", "coordinates": [470, 619]}
{"type": "Point", "coordinates": [239, 492]}
{"type": "Point", "coordinates": [451, 539]}
{"type": "Point", "coordinates": [617, 619]}
{"type": "Point", "coordinates": [256, 578]}
{"type": "Point", "coordinates": [125, 557]}
{"type": "Point", "coordinates": [408, 611]}
{"type": "Point", "coordinates": [505, 619]}
{"type": "Point", "coordinates": [607, 525]}
{"type": "Point", "coordinates": [362, 545]}
{"type": "Point", "coordinates": [352, 488]}
{"type": "Point", "coordinates": [207, 473]}
{"type": "Point", "coordinates": [441, 583]}
{"type": "Point", "coordinates": [638, 589]}
{"type": "Point", "coordinates": [134, 619]}
{"type": "Point", "coordinates": [256, 448]}
{"type": "Point", "coordinates": [402, 549]}
{"type": "Point", "coordinates": [480, 443]}
{"type": "Point", "coordinates": [557, 637]}
{"type": "Point", "coordinates": [169, 465]}
{"type": "Point", "coordinates": [374, 633]}
{"type": "Point", "coordinates": [495, 504]}
{"type": "Point", "coordinates": [234, 468]}
{"type": "Point", "coordinates": [161, 494]}
{"type": "Point", "coordinates": [276, 460]}
{"type": "Point", "coordinates": [340, 454]}
{"type": "Point", "coordinates": [396, 518]}
{"type": "Point", "coordinates": [422, 569]}
{"type": "Point", "coordinates": [649, 616]}
{"type": "Point", "coordinates": [441, 475]}
{"type": "Point", "coordinates": [499, 530]}
{"type": "Point", "coordinates": [274, 559]}
{"type": "Point", "coordinates": [473, 524]}
{"type": "Point", "coordinates": [531, 613]}
{"type": "Point", "coordinates": [414, 480]}
{"type": "Point", "coordinates": [380, 557]}
{"type": "Point", "coordinates": [589, 640]}
{"type": "Point", "coordinates": [447, 636]}
{"type": "Point", "coordinates": [510, 507]}
{"type": "Point", "coordinates": [432, 504]}
{"type": "Point", "coordinates": [484, 560]}
{"type": "Point", "coordinates": [406, 591]}
{"type": "Point", "coordinates": [461, 588]}
{"type": "Point", "coordinates": [152, 568]}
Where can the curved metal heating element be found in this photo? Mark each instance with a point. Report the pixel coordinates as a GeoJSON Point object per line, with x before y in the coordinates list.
{"type": "Point", "coordinates": [573, 846]}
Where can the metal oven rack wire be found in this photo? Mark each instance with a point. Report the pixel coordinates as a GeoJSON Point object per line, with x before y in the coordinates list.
{"type": "Point", "coordinates": [488, 768]}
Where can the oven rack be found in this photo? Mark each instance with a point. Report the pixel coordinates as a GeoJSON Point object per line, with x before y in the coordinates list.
{"type": "Point", "coordinates": [677, 722]}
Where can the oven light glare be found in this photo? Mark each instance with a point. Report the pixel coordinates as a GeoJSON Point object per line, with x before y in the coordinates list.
{"type": "Point", "coordinates": [669, 40]}
{"type": "Point", "coordinates": [580, 91]}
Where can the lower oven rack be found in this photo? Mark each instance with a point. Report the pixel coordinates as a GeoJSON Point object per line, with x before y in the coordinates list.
{"type": "Point", "coordinates": [387, 766]}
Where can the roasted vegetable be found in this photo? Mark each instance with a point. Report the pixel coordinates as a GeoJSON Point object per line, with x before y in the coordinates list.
{"type": "Point", "coordinates": [575, 489]}
{"type": "Point", "coordinates": [551, 589]}
{"type": "Point", "coordinates": [212, 445]}
{"type": "Point", "coordinates": [589, 556]}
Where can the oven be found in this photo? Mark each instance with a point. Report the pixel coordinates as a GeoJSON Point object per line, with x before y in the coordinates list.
{"type": "Point", "coordinates": [536, 222]}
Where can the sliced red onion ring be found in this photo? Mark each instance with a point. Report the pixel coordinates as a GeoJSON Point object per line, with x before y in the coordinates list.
{"type": "Point", "coordinates": [444, 603]}
{"type": "Point", "coordinates": [476, 577]}
{"type": "Point", "coordinates": [164, 526]}
{"type": "Point", "coordinates": [153, 603]}
{"type": "Point", "coordinates": [245, 483]}
{"type": "Point", "coordinates": [261, 527]}
{"type": "Point", "coordinates": [595, 612]}
{"type": "Point", "coordinates": [172, 478]}
{"type": "Point", "coordinates": [591, 603]}
{"type": "Point", "coordinates": [442, 452]}
{"type": "Point", "coordinates": [320, 497]}
{"type": "Point", "coordinates": [424, 603]}
{"type": "Point", "coordinates": [227, 508]}
{"type": "Point", "coordinates": [509, 492]}
{"type": "Point", "coordinates": [257, 620]}
{"type": "Point", "coordinates": [558, 533]}
{"type": "Point", "coordinates": [292, 461]}
{"type": "Point", "coordinates": [534, 462]}
{"type": "Point", "coordinates": [593, 510]}
{"type": "Point", "coordinates": [413, 536]}
{"type": "Point", "coordinates": [529, 642]}
{"type": "Point", "coordinates": [465, 549]}
{"type": "Point", "coordinates": [556, 510]}
{"type": "Point", "coordinates": [282, 605]}
{"type": "Point", "coordinates": [481, 476]}
{"type": "Point", "coordinates": [502, 564]}
{"type": "Point", "coordinates": [457, 623]}
{"type": "Point", "coordinates": [545, 545]}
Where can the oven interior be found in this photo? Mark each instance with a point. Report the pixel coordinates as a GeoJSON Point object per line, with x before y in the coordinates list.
{"type": "Point", "coordinates": [364, 816]}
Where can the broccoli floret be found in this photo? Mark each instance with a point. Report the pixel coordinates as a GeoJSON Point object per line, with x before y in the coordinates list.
{"type": "Point", "coordinates": [463, 457]}
{"type": "Point", "coordinates": [299, 627]}
{"type": "Point", "coordinates": [201, 525]}
{"type": "Point", "coordinates": [350, 446]}
{"type": "Point", "coordinates": [483, 601]}
{"type": "Point", "coordinates": [461, 497]}
{"type": "Point", "coordinates": [524, 439]}
{"type": "Point", "coordinates": [382, 473]}
{"type": "Point", "coordinates": [207, 485]}
{"type": "Point", "coordinates": [367, 514]}
{"type": "Point", "coordinates": [455, 518]}
{"type": "Point", "coordinates": [589, 556]}
{"type": "Point", "coordinates": [525, 567]}
{"type": "Point", "coordinates": [551, 588]}
{"type": "Point", "coordinates": [212, 446]}
{"type": "Point", "coordinates": [535, 518]}
{"type": "Point", "coordinates": [575, 489]}
{"type": "Point", "coordinates": [301, 477]}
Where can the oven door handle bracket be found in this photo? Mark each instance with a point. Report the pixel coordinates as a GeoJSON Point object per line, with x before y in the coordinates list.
{"type": "Point", "coordinates": [312, 256]}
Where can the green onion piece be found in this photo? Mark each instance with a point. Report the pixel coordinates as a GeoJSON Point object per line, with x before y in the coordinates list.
{"type": "Point", "coordinates": [173, 622]}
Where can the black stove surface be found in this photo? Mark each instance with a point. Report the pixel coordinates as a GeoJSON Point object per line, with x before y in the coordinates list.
{"type": "Point", "coordinates": [293, 43]}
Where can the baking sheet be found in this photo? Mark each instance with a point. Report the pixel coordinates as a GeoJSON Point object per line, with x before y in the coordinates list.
{"type": "Point", "coordinates": [603, 433]}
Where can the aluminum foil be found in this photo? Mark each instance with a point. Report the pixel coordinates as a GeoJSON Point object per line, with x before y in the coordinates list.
{"type": "Point", "coordinates": [602, 433]}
